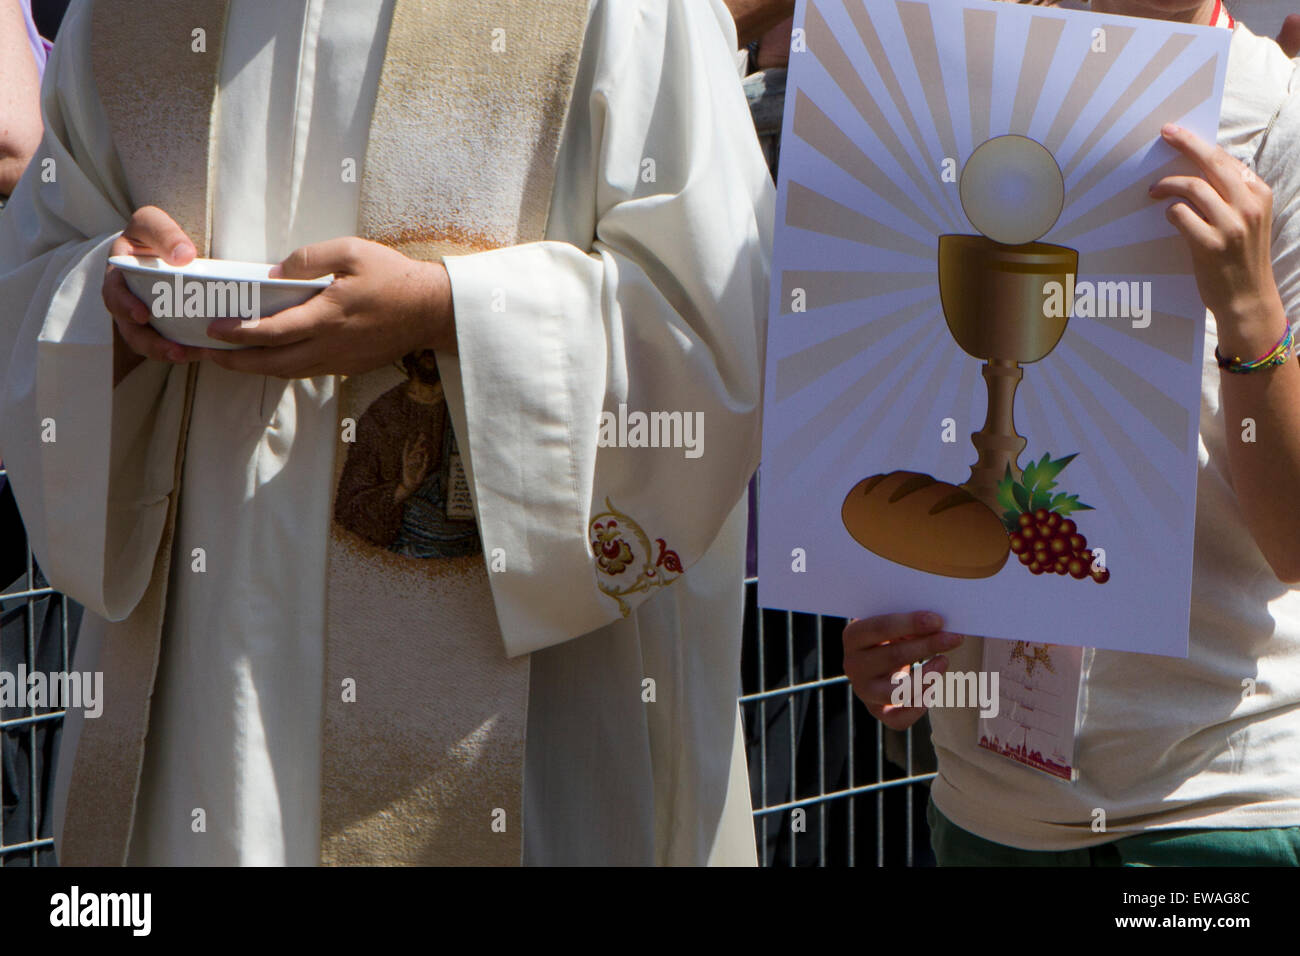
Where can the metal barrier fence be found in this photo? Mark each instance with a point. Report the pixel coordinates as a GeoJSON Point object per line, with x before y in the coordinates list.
{"type": "Point", "coordinates": [829, 784]}
{"type": "Point", "coordinates": [37, 625]}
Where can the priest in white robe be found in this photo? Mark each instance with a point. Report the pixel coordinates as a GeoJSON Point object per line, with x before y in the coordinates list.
{"type": "Point", "coordinates": [648, 292]}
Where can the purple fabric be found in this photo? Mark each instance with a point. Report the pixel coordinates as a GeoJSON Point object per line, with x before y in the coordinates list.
{"type": "Point", "coordinates": [40, 45]}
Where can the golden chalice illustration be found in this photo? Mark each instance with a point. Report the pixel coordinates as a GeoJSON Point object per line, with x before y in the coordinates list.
{"type": "Point", "coordinates": [993, 288]}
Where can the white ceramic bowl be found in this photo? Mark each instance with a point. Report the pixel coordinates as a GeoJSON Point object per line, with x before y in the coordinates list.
{"type": "Point", "coordinates": [185, 299]}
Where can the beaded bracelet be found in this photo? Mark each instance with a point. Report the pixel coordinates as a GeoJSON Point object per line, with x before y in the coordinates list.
{"type": "Point", "coordinates": [1279, 355]}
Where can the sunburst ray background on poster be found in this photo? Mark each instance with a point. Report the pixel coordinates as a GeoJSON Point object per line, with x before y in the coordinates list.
{"type": "Point", "coordinates": [862, 371]}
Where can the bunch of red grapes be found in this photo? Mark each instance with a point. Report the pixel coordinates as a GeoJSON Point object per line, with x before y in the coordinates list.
{"type": "Point", "coordinates": [1047, 543]}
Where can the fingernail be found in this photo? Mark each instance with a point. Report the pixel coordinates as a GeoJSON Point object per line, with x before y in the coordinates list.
{"type": "Point", "coordinates": [275, 272]}
{"type": "Point", "coordinates": [1169, 129]}
{"type": "Point", "coordinates": [950, 640]}
{"type": "Point", "coordinates": [929, 620]}
{"type": "Point", "coordinates": [182, 250]}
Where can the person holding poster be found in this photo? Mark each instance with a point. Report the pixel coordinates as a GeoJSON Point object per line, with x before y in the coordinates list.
{"type": "Point", "coordinates": [1179, 761]}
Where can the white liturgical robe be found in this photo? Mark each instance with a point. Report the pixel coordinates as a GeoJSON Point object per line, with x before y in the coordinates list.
{"type": "Point", "coordinates": [649, 292]}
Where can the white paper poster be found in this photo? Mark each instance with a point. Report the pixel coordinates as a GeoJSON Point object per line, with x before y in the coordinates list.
{"type": "Point", "coordinates": [985, 347]}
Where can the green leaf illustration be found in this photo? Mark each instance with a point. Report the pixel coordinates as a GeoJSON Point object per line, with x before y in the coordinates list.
{"type": "Point", "coordinates": [1035, 490]}
{"type": "Point", "coordinates": [1022, 496]}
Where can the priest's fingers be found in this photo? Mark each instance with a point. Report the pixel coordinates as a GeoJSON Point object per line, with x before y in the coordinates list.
{"type": "Point", "coordinates": [1200, 195]}
{"type": "Point", "coordinates": [299, 360]}
{"type": "Point", "coordinates": [151, 232]}
{"type": "Point", "coordinates": [286, 327]}
{"type": "Point", "coordinates": [143, 340]}
{"type": "Point", "coordinates": [120, 301]}
{"type": "Point", "coordinates": [1224, 173]}
{"type": "Point", "coordinates": [337, 256]}
{"type": "Point", "coordinates": [864, 632]}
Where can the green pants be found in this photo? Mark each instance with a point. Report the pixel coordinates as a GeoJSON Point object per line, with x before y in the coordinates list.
{"type": "Point", "coordinates": [954, 846]}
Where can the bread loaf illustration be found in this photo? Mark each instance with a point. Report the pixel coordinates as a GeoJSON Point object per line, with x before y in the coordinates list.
{"type": "Point", "coordinates": [929, 525]}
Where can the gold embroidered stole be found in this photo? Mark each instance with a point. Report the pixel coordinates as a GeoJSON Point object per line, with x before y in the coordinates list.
{"type": "Point", "coordinates": [423, 716]}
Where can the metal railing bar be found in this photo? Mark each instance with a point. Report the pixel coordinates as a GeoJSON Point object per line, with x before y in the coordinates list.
{"type": "Point", "coordinates": [28, 847]}
{"type": "Point", "coordinates": [908, 770]}
{"type": "Point", "coordinates": [848, 689]}
{"type": "Point", "coordinates": [33, 719]}
{"type": "Point", "coordinates": [27, 595]}
{"type": "Point", "coordinates": [821, 751]}
{"type": "Point", "coordinates": [793, 689]}
{"type": "Point", "coordinates": [33, 792]}
{"type": "Point", "coordinates": [789, 713]}
{"type": "Point", "coordinates": [880, 794]}
{"type": "Point", "coordinates": [847, 792]}
{"type": "Point", "coordinates": [762, 720]}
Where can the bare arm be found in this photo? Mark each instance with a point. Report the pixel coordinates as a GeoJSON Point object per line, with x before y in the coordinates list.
{"type": "Point", "coordinates": [755, 17]}
{"type": "Point", "coordinates": [1266, 472]}
{"type": "Point", "coordinates": [20, 106]}
{"type": "Point", "coordinates": [1226, 216]}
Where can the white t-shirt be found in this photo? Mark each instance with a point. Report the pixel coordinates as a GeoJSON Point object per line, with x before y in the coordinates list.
{"type": "Point", "coordinates": [1165, 742]}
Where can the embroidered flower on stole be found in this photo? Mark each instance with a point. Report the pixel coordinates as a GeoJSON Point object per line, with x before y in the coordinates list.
{"type": "Point", "coordinates": [613, 554]}
{"type": "Point", "coordinates": [618, 544]}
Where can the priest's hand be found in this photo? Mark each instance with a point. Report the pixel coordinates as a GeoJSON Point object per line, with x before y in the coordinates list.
{"type": "Point", "coordinates": [380, 306]}
{"type": "Point", "coordinates": [878, 648]}
{"type": "Point", "coordinates": [151, 232]}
